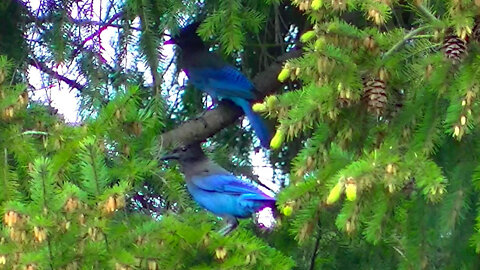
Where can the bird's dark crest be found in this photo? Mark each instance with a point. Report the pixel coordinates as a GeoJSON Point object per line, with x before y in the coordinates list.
{"type": "Point", "coordinates": [188, 39]}
{"type": "Point", "coordinates": [190, 29]}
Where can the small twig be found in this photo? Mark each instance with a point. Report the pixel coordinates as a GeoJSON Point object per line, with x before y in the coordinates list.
{"type": "Point", "coordinates": [50, 253]}
{"type": "Point", "coordinates": [422, 36]}
{"type": "Point", "coordinates": [427, 13]}
{"type": "Point", "coordinates": [315, 249]}
{"type": "Point", "coordinates": [96, 33]}
{"type": "Point", "coordinates": [399, 252]}
{"type": "Point", "coordinates": [33, 132]}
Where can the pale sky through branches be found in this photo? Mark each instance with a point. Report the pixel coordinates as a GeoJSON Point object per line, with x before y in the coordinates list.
{"type": "Point", "coordinates": [65, 100]}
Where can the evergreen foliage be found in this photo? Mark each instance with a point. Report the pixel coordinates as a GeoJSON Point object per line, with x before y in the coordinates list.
{"type": "Point", "coordinates": [377, 136]}
{"type": "Point", "coordinates": [70, 211]}
{"type": "Point", "coordinates": [402, 165]}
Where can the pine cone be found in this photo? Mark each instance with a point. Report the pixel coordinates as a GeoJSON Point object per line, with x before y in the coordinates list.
{"type": "Point", "coordinates": [375, 95]}
{"type": "Point", "coordinates": [454, 48]}
{"type": "Point", "coordinates": [476, 30]}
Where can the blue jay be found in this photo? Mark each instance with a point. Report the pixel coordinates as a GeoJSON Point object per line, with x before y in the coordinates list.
{"type": "Point", "coordinates": [209, 73]}
{"type": "Point", "coordinates": [216, 189]}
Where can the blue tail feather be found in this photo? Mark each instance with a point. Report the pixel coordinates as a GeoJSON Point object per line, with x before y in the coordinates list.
{"type": "Point", "coordinates": [257, 122]}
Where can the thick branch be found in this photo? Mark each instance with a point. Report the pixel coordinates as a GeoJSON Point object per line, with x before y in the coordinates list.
{"type": "Point", "coordinates": [71, 83]}
{"type": "Point", "coordinates": [214, 120]}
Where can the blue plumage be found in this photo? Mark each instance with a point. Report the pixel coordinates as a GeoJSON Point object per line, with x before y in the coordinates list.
{"type": "Point", "coordinates": [225, 194]}
{"type": "Point", "coordinates": [209, 73]}
{"type": "Point", "coordinates": [256, 121]}
{"type": "Point", "coordinates": [216, 189]}
{"type": "Point", "coordinates": [225, 82]}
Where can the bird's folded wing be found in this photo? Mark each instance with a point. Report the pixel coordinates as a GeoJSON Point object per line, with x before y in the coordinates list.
{"type": "Point", "coordinates": [231, 185]}
{"type": "Point", "coordinates": [226, 81]}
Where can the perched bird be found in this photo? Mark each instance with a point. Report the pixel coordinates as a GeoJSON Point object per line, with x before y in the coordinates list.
{"type": "Point", "coordinates": [216, 189]}
{"type": "Point", "coordinates": [209, 73]}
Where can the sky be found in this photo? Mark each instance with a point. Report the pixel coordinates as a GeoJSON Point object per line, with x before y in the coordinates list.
{"type": "Point", "coordinates": [65, 101]}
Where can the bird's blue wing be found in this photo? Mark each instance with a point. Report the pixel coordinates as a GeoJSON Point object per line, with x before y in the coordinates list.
{"type": "Point", "coordinates": [226, 195]}
{"type": "Point", "coordinates": [222, 82]}
{"type": "Point", "coordinates": [229, 184]}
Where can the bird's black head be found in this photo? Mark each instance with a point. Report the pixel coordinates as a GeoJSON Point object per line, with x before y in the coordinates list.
{"type": "Point", "coordinates": [188, 153]}
{"type": "Point", "coordinates": [188, 38]}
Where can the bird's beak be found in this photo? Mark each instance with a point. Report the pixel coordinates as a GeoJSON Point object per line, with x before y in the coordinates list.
{"type": "Point", "coordinates": [169, 42]}
{"type": "Point", "coordinates": [169, 157]}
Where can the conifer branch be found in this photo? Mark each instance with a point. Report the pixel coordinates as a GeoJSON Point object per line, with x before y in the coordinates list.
{"type": "Point", "coordinates": [42, 67]}
{"type": "Point", "coordinates": [399, 44]}
{"type": "Point", "coordinates": [427, 13]}
{"type": "Point", "coordinates": [101, 24]}
{"type": "Point", "coordinates": [107, 246]}
{"type": "Point", "coordinates": [50, 254]}
{"type": "Point", "coordinates": [5, 174]}
{"type": "Point", "coordinates": [91, 155]}
{"type": "Point", "coordinates": [97, 33]}
{"type": "Point", "coordinates": [212, 121]}
{"type": "Point", "coordinates": [43, 175]}
{"type": "Point", "coordinates": [34, 132]}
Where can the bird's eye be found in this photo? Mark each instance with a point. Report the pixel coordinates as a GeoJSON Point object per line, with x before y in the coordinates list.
{"type": "Point", "coordinates": [184, 148]}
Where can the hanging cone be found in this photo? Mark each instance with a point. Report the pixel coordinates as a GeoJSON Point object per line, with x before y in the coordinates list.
{"type": "Point", "coordinates": [375, 95]}
{"type": "Point", "coordinates": [454, 48]}
{"type": "Point", "coordinates": [476, 30]}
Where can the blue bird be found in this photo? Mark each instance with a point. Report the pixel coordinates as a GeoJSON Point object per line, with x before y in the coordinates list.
{"type": "Point", "coordinates": [216, 189]}
{"type": "Point", "coordinates": [209, 73]}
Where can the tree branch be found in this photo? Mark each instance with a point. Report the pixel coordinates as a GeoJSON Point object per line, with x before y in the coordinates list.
{"type": "Point", "coordinates": [212, 121]}
{"type": "Point", "coordinates": [41, 66]}
{"type": "Point", "coordinates": [96, 33]}
{"type": "Point", "coordinates": [425, 11]}
{"type": "Point", "coordinates": [399, 44]}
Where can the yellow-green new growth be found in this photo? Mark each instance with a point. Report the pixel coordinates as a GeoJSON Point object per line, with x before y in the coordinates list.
{"type": "Point", "coordinates": [335, 193]}
{"type": "Point", "coordinates": [278, 139]}
{"type": "Point", "coordinates": [271, 101]}
{"type": "Point", "coordinates": [351, 191]}
{"type": "Point", "coordinates": [259, 107]}
{"type": "Point", "coordinates": [287, 210]}
{"type": "Point", "coordinates": [284, 74]}
{"type": "Point", "coordinates": [307, 36]}
{"type": "Point", "coordinates": [320, 43]}
{"type": "Point", "coordinates": [317, 4]}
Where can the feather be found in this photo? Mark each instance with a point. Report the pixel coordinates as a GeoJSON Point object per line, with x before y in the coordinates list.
{"type": "Point", "coordinates": [209, 73]}
{"type": "Point", "coordinates": [257, 122]}
{"type": "Point", "coordinates": [228, 195]}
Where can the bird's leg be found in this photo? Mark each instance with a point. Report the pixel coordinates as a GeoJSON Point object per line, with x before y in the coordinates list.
{"type": "Point", "coordinates": [232, 223]}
